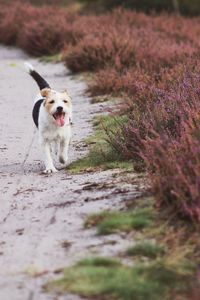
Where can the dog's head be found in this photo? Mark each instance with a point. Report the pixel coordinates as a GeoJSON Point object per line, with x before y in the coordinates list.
{"type": "Point", "coordinates": [57, 105]}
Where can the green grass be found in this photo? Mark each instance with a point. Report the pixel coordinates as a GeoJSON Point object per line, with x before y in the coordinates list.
{"type": "Point", "coordinates": [147, 249]}
{"type": "Point", "coordinates": [109, 279]}
{"type": "Point", "coordinates": [103, 122]}
{"type": "Point", "coordinates": [113, 222]}
{"type": "Point", "coordinates": [99, 158]}
{"type": "Point", "coordinates": [99, 261]}
{"type": "Point", "coordinates": [101, 155]}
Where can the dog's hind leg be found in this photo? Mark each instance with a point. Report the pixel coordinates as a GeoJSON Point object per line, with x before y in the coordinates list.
{"type": "Point", "coordinates": [48, 161]}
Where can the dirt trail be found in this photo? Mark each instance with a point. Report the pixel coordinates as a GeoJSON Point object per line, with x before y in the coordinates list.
{"type": "Point", "coordinates": [42, 217]}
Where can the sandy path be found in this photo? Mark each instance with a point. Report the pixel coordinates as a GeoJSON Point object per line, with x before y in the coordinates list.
{"type": "Point", "coordinates": [42, 216]}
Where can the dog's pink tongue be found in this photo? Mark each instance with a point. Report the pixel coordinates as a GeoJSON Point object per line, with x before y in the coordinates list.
{"type": "Point", "coordinates": [60, 120]}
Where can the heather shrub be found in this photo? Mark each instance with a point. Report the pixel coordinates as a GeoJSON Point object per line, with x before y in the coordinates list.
{"type": "Point", "coordinates": [111, 81]}
{"type": "Point", "coordinates": [97, 51]}
{"type": "Point", "coordinates": [12, 20]}
{"type": "Point", "coordinates": [123, 39]}
{"type": "Point", "coordinates": [128, 49]}
{"type": "Point", "coordinates": [163, 133]}
{"type": "Point", "coordinates": [177, 27]}
{"type": "Point", "coordinates": [174, 167]}
{"type": "Point", "coordinates": [166, 53]}
{"type": "Point", "coordinates": [39, 31]}
{"type": "Point", "coordinates": [45, 36]}
{"type": "Point", "coordinates": [161, 108]}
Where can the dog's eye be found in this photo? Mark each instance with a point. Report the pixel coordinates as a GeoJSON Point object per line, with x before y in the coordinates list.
{"type": "Point", "coordinates": [65, 101]}
{"type": "Point", "coordinates": [51, 102]}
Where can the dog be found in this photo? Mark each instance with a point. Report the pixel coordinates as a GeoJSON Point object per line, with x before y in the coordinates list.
{"type": "Point", "coordinates": [52, 115]}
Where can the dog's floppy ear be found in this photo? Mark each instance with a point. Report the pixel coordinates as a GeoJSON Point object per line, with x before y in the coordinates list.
{"type": "Point", "coordinates": [45, 92]}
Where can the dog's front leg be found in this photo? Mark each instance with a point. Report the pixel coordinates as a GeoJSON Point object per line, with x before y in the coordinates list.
{"type": "Point", "coordinates": [64, 146]}
{"type": "Point", "coordinates": [48, 161]}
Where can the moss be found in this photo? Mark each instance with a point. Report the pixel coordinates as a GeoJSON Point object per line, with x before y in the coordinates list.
{"type": "Point", "coordinates": [109, 279]}
{"type": "Point", "coordinates": [112, 222]}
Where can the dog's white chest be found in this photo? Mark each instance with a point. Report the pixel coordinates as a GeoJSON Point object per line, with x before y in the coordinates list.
{"type": "Point", "coordinates": [51, 133]}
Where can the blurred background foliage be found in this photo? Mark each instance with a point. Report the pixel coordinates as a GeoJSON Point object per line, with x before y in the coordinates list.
{"type": "Point", "coordinates": [185, 7]}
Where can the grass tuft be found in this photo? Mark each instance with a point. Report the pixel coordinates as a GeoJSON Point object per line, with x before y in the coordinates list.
{"type": "Point", "coordinates": [99, 262]}
{"type": "Point", "coordinates": [101, 155]}
{"type": "Point", "coordinates": [108, 279]}
{"type": "Point", "coordinates": [147, 249]}
{"type": "Point", "coordinates": [112, 222]}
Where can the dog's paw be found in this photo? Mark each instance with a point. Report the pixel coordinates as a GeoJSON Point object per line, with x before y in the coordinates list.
{"type": "Point", "coordinates": [63, 160]}
{"type": "Point", "coordinates": [50, 170]}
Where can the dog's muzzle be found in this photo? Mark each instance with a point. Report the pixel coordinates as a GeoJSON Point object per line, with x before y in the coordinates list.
{"type": "Point", "coordinates": [59, 116]}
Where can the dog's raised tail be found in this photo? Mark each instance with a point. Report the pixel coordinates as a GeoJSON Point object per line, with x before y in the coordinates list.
{"type": "Point", "coordinates": [36, 76]}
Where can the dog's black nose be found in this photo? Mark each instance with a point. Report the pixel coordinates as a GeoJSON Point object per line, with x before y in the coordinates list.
{"type": "Point", "coordinates": [59, 109]}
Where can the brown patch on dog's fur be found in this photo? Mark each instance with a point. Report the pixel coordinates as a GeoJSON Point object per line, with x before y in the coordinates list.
{"type": "Point", "coordinates": [48, 105]}
{"type": "Point", "coordinates": [45, 92]}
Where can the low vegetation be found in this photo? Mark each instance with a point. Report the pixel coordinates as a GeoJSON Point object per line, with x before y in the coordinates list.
{"type": "Point", "coordinates": [161, 262]}
{"type": "Point", "coordinates": [112, 222]}
{"type": "Point", "coordinates": [147, 249]}
{"type": "Point", "coordinates": [109, 279]}
{"type": "Point", "coordinates": [101, 154]}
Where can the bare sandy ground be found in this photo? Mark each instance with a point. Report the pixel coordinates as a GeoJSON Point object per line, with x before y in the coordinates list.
{"type": "Point", "coordinates": [41, 216]}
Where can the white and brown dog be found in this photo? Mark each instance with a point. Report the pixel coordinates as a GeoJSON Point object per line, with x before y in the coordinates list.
{"type": "Point", "coordinates": [52, 115]}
